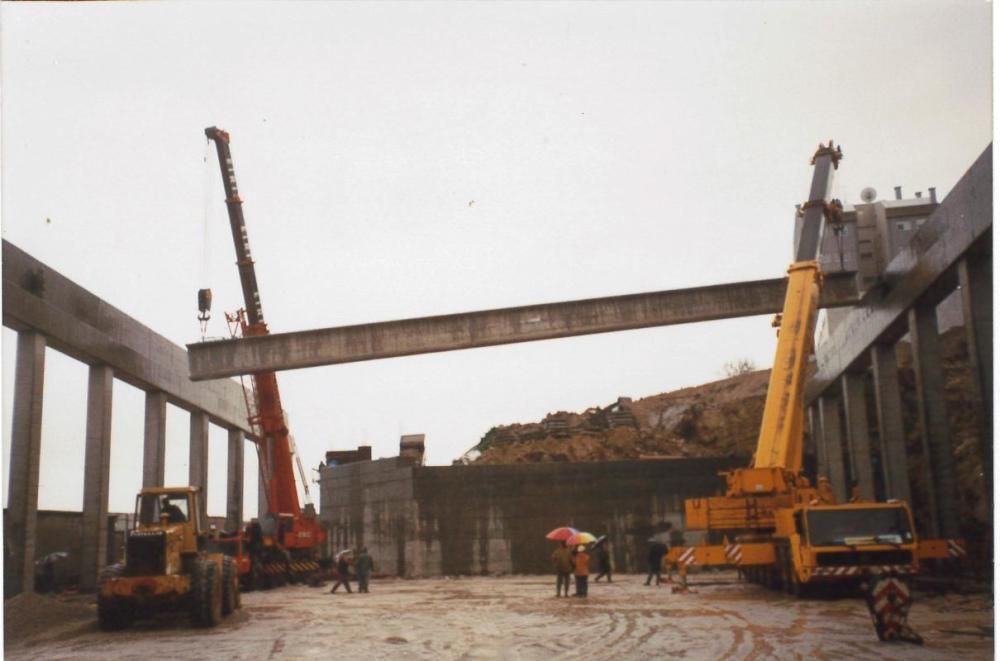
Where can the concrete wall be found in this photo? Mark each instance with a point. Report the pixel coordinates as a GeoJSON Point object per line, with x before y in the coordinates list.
{"type": "Point", "coordinates": [427, 521]}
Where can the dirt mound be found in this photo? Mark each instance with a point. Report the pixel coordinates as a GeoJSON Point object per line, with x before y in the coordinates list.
{"type": "Point", "coordinates": [29, 616]}
{"type": "Point", "coordinates": [716, 419]}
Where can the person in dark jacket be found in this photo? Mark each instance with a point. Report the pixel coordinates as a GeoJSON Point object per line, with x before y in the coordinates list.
{"type": "Point", "coordinates": [363, 568]}
{"type": "Point", "coordinates": [343, 573]}
{"type": "Point", "coordinates": [562, 559]}
{"type": "Point", "coordinates": [657, 550]}
{"type": "Point", "coordinates": [603, 561]}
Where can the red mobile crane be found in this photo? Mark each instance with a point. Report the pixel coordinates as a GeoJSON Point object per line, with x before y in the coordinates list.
{"type": "Point", "coordinates": [284, 543]}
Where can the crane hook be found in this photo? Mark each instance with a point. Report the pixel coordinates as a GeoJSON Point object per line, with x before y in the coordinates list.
{"type": "Point", "coordinates": [204, 309]}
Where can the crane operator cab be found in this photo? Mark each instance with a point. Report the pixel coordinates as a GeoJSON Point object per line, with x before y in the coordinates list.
{"type": "Point", "coordinates": [837, 541]}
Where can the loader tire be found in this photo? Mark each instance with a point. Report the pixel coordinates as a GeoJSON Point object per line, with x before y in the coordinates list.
{"type": "Point", "coordinates": [230, 586]}
{"type": "Point", "coordinates": [206, 593]}
{"type": "Point", "coordinates": [112, 615]}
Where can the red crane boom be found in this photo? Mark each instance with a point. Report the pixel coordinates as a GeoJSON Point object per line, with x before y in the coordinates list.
{"type": "Point", "coordinates": [294, 529]}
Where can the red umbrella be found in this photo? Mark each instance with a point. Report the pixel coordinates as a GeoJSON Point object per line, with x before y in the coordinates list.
{"type": "Point", "coordinates": [561, 534]}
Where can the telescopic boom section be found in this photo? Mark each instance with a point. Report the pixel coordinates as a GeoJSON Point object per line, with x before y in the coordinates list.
{"type": "Point", "coordinates": [248, 277]}
{"type": "Point", "coordinates": [780, 442]}
{"type": "Point", "coordinates": [275, 449]}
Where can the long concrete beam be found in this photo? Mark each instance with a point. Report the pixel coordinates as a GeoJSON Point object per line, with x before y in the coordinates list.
{"type": "Point", "coordinates": [329, 346]}
{"type": "Point", "coordinates": [962, 220]}
{"type": "Point", "coordinates": [81, 325]}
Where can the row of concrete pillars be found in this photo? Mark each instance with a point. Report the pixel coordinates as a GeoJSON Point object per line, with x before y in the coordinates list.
{"type": "Point", "coordinates": [839, 417]}
{"type": "Point", "coordinates": [25, 455]}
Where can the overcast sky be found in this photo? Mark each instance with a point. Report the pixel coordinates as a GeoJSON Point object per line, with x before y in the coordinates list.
{"type": "Point", "coordinates": [405, 160]}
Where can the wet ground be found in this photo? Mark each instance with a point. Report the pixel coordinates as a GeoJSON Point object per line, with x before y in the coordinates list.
{"type": "Point", "coordinates": [515, 618]}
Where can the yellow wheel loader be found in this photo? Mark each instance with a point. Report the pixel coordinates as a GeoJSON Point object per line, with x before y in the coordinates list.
{"type": "Point", "coordinates": [168, 565]}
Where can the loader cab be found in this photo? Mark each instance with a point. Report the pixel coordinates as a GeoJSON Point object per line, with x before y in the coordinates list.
{"type": "Point", "coordinates": [171, 508]}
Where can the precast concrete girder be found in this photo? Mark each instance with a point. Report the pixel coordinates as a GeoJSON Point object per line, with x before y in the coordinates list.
{"type": "Point", "coordinates": [330, 346]}
{"type": "Point", "coordinates": [81, 325]}
{"type": "Point", "coordinates": [925, 271]}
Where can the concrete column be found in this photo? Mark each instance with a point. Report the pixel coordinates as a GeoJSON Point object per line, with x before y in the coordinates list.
{"type": "Point", "coordinates": [975, 276]}
{"type": "Point", "coordinates": [832, 440]}
{"type": "Point", "coordinates": [25, 461]}
{"type": "Point", "coordinates": [234, 481]}
{"type": "Point", "coordinates": [858, 441]}
{"type": "Point", "coordinates": [933, 420]}
{"type": "Point", "coordinates": [815, 432]}
{"type": "Point", "coordinates": [889, 408]}
{"type": "Point", "coordinates": [154, 447]}
{"type": "Point", "coordinates": [96, 472]}
{"type": "Point", "coordinates": [198, 461]}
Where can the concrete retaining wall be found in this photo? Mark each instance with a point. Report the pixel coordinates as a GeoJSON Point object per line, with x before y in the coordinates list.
{"type": "Point", "coordinates": [429, 521]}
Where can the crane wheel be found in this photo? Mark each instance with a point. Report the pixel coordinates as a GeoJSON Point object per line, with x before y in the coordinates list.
{"type": "Point", "coordinates": [206, 589]}
{"type": "Point", "coordinates": [230, 586]}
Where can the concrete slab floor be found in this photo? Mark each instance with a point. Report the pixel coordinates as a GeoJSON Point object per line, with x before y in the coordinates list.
{"type": "Point", "coordinates": [520, 618]}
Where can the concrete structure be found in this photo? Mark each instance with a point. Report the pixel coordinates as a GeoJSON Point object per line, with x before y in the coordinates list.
{"type": "Point", "coordinates": [953, 247]}
{"type": "Point", "coordinates": [49, 310]}
{"type": "Point", "coordinates": [329, 346]}
{"type": "Point", "coordinates": [488, 519]}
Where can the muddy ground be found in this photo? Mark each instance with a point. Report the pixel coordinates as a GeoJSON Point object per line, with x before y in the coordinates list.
{"type": "Point", "coordinates": [509, 618]}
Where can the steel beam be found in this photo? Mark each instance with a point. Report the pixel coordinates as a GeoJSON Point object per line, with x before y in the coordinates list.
{"type": "Point", "coordinates": [958, 225]}
{"type": "Point", "coordinates": [81, 325]}
{"type": "Point", "coordinates": [330, 346]}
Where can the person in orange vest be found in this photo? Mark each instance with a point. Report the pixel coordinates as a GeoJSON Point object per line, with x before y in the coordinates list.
{"type": "Point", "coordinates": [581, 568]}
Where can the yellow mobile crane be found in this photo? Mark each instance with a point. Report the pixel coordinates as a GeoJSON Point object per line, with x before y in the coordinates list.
{"type": "Point", "coordinates": [777, 527]}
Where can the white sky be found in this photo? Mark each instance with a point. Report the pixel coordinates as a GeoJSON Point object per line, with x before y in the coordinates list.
{"type": "Point", "coordinates": [403, 160]}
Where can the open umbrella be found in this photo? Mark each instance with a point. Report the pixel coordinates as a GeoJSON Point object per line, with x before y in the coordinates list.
{"type": "Point", "coordinates": [340, 554]}
{"type": "Point", "coordinates": [561, 534]}
{"type": "Point", "coordinates": [600, 540]}
{"type": "Point", "coordinates": [580, 538]}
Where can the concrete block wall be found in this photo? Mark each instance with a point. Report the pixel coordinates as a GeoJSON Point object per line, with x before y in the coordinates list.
{"type": "Point", "coordinates": [428, 521]}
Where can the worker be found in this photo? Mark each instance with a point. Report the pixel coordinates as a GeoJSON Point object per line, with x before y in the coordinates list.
{"type": "Point", "coordinates": [343, 573]}
{"type": "Point", "coordinates": [582, 570]}
{"type": "Point", "coordinates": [603, 560]}
{"type": "Point", "coordinates": [174, 513]}
{"type": "Point", "coordinates": [363, 568]}
{"type": "Point", "coordinates": [657, 550]}
{"type": "Point", "coordinates": [562, 559]}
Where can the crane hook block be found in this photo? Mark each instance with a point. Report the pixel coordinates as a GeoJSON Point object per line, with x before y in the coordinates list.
{"type": "Point", "coordinates": [204, 303]}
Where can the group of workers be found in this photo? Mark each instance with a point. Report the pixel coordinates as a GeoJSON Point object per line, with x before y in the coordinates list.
{"type": "Point", "coordinates": [576, 560]}
{"type": "Point", "coordinates": [363, 567]}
